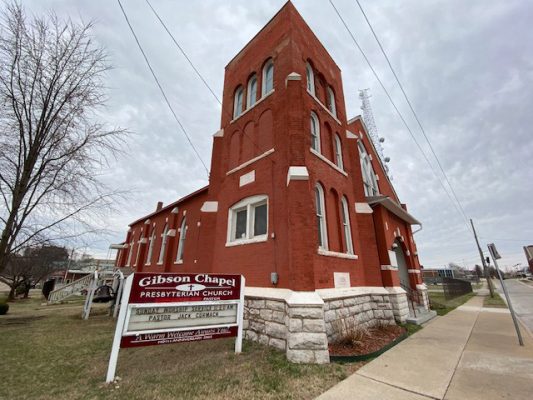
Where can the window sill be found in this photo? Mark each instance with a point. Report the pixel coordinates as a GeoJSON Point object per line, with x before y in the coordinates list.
{"type": "Point", "coordinates": [258, 239]}
{"type": "Point", "coordinates": [327, 253]}
{"type": "Point", "coordinates": [178, 262]}
{"type": "Point", "coordinates": [252, 107]}
{"type": "Point", "coordinates": [332, 165]}
{"type": "Point", "coordinates": [324, 107]}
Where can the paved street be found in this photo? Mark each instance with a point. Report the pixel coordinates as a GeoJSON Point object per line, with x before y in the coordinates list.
{"type": "Point", "coordinates": [522, 300]}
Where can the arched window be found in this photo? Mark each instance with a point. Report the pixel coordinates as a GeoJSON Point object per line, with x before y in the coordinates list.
{"type": "Point", "coordinates": [163, 245]}
{"type": "Point", "coordinates": [268, 77]}
{"type": "Point", "coordinates": [238, 102]}
{"type": "Point", "coordinates": [181, 243]}
{"type": "Point", "coordinates": [248, 220]}
{"type": "Point", "coordinates": [130, 253]}
{"type": "Point", "coordinates": [150, 247]}
{"type": "Point", "coordinates": [251, 92]}
{"type": "Point", "coordinates": [141, 238]}
{"type": "Point", "coordinates": [315, 132]}
{"type": "Point", "coordinates": [346, 225]}
{"type": "Point", "coordinates": [331, 101]}
{"type": "Point", "coordinates": [369, 177]}
{"type": "Point", "coordinates": [338, 152]}
{"type": "Point", "coordinates": [321, 217]}
{"type": "Point", "coordinates": [310, 78]}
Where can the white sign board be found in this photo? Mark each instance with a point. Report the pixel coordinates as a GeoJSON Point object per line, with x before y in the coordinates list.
{"type": "Point", "coordinates": [163, 308]}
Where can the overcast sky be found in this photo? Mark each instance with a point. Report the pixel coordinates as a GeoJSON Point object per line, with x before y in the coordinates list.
{"type": "Point", "coordinates": [466, 65]}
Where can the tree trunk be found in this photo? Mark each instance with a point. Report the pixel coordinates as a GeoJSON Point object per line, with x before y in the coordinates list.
{"type": "Point", "coordinates": [11, 295]}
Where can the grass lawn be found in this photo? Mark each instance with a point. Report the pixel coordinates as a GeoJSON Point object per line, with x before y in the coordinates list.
{"type": "Point", "coordinates": [443, 306]}
{"type": "Point", "coordinates": [495, 301]}
{"type": "Point", "coordinates": [50, 353]}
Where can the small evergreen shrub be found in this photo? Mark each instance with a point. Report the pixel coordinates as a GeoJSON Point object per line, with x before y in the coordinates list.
{"type": "Point", "coordinates": [4, 307]}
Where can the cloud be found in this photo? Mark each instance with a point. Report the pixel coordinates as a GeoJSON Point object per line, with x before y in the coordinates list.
{"type": "Point", "coordinates": [466, 66]}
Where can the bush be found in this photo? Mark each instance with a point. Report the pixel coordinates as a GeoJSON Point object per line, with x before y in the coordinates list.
{"type": "Point", "coordinates": [4, 307]}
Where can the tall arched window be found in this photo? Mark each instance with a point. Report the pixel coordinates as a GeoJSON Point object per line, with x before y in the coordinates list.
{"type": "Point", "coordinates": [315, 132]}
{"type": "Point", "coordinates": [331, 101]}
{"type": "Point", "coordinates": [369, 177]}
{"type": "Point", "coordinates": [130, 253]}
{"type": "Point", "coordinates": [163, 245]}
{"type": "Point", "coordinates": [345, 213]}
{"type": "Point", "coordinates": [251, 92]}
{"type": "Point", "coordinates": [268, 77]}
{"type": "Point", "coordinates": [338, 152]}
{"type": "Point", "coordinates": [181, 243]}
{"type": "Point", "coordinates": [321, 217]}
{"type": "Point", "coordinates": [238, 102]}
{"type": "Point", "coordinates": [141, 238]}
{"type": "Point", "coordinates": [151, 247]}
{"type": "Point", "coordinates": [310, 78]}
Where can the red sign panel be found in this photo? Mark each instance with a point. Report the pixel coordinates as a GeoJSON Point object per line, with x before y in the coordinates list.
{"type": "Point", "coordinates": [175, 288]}
{"type": "Point", "coordinates": [150, 339]}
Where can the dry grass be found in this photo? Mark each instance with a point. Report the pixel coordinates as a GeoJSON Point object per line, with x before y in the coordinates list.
{"type": "Point", "coordinates": [50, 353]}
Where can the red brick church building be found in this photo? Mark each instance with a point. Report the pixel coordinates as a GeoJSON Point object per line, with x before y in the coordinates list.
{"type": "Point", "coordinates": [298, 202]}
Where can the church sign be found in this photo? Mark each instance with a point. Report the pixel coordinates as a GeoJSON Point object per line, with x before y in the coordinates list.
{"type": "Point", "coordinates": [165, 308]}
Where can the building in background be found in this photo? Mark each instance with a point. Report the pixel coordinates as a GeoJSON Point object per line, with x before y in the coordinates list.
{"type": "Point", "coordinates": [298, 202]}
{"type": "Point", "coordinates": [529, 257]}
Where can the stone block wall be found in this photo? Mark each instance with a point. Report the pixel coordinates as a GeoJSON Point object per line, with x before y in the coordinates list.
{"type": "Point", "coordinates": [362, 311]}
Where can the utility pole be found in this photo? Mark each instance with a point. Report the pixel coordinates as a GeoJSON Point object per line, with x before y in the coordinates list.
{"type": "Point", "coordinates": [485, 268]}
{"type": "Point", "coordinates": [495, 256]}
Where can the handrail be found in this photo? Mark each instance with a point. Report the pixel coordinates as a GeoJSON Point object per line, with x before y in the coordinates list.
{"type": "Point", "coordinates": [413, 296]}
{"type": "Point", "coordinates": [69, 289]}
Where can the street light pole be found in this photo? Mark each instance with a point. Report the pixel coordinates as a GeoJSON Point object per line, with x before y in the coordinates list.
{"type": "Point", "coordinates": [485, 268]}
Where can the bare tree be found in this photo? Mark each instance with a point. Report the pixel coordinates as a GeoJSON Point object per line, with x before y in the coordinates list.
{"type": "Point", "coordinates": [51, 147]}
{"type": "Point", "coordinates": [33, 266]}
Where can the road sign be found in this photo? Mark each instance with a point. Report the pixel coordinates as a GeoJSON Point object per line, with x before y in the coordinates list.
{"type": "Point", "coordinates": [493, 252]}
{"type": "Point", "coordinates": [165, 308]}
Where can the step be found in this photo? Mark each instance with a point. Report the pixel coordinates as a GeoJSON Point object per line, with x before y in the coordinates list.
{"type": "Point", "coordinates": [421, 317]}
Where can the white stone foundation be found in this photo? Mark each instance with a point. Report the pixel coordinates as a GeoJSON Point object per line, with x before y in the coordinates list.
{"type": "Point", "coordinates": [301, 323]}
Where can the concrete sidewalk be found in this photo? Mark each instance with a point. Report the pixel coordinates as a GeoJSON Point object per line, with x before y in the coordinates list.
{"type": "Point", "coordinates": [471, 353]}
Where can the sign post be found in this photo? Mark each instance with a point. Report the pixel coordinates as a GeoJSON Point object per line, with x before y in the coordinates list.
{"type": "Point", "coordinates": [164, 308]}
{"type": "Point", "coordinates": [496, 256]}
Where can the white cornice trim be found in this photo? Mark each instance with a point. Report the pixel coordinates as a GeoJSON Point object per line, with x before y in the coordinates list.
{"type": "Point", "coordinates": [245, 164]}
{"type": "Point", "coordinates": [332, 165]}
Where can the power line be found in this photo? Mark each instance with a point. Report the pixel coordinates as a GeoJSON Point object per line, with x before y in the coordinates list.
{"type": "Point", "coordinates": [396, 108]}
{"type": "Point", "coordinates": [201, 77]}
{"type": "Point", "coordinates": [161, 88]}
{"type": "Point", "coordinates": [411, 108]}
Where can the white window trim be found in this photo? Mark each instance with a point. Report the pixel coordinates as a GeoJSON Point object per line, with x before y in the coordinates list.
{"type": "Point", "coordinates": [263, 81]}
{"type": "Point", "coordinates": [237, 111]}
{"type": "Point", "coordinates": [150, 247]}
{"type": "Point", "coordinates": [338, 152]}
{"type": "Point", "coordinates": [249, 203]}
{"type": "Point", "coordinates": [324, 107]}
{"type": "Point", "coordinates": [323, 221]}
{"type": "Point", "coordinates": [310, 77]}
{"type": "Point", "coordinates": [327, 253]}
{"type": "Point", "coordinates": [370, 183]}
{"type": "Point", "coordinates": [331, 100]}
{"type": "Point", "coordinates": [347, 228]}
{"type": "Point", "coordinates": [332, 165]}
{"type": "Point", "coordinates": [316, 122]}
{"type": "Point", "coordinates": [130, 254]}
{"type": "Point", "coordinates": [249, 92]}
{"type": "Point", "coordinates": [252, 107]}
{"type": "Point", "coordinates": [163, 246]}
{"type": "Point", "coordinates": [181, 242]}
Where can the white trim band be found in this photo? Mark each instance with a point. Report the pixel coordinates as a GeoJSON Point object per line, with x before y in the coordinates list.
{"type": "Point", "coordinates": [327, 253]}
{"type": "Point", "coordinates": [245, 164]}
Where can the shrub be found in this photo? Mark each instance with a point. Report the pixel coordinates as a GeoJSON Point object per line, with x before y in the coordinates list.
{"type": "Point", "coordinates": [348, 332]}
{"type": "Point", "coordinates": [4, 307]}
